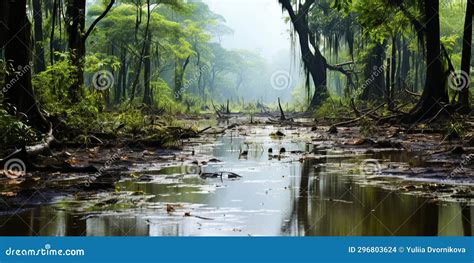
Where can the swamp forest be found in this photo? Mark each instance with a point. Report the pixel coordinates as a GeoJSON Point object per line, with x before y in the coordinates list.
{"type": "Point", "coordinates": [236, 118]}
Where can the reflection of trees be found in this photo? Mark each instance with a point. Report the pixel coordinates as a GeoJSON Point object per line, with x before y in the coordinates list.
{"type": "Point", "coordinates": [466, 219]}
{"type": "Point", "coordinates": [303, 204]}
{"type": "Point", "coordinates": [336, 205]}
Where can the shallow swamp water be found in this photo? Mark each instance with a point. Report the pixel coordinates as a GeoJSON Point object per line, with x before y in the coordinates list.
{"type": "Point", "coordinates": [313, 187]}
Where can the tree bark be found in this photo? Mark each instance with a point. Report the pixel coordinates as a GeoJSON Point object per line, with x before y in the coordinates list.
{"type": "Point", "coordinates": [405, 63]}
{"type": "Point", "coordinates": [77, 50]}
{"type": "Point", "coordinates": [76, 13]}
{"type": "Point", "coordinates": [434, 93]}
{"type": "Point", "coordinates": [180, 69]}
{"type": "Point", "coordinates": [374, 87]}
{"type": "Point", "coordinates": [314, 62]}
{"type": "Point", "coordinates": [142, 53]}
{"type": "Point", "coordinates": [463, 101]}
{"type": "Point", "coordinates": [146, 72]}
{"type": "Point", "coordinates": [38, 29]}
{"type": "Point", "coordinates": [18, 90]}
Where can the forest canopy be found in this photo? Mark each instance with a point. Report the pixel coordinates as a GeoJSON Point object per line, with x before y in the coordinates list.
{"type": "Point", "coordinates": [75, 63]}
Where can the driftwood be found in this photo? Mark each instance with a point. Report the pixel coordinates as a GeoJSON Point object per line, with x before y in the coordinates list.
{"type": "Point", "coordinates": [24, 156]}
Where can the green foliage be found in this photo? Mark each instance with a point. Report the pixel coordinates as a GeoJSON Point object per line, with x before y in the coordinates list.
{"type": "Point", "coordinates": [455, 129]}
{"type": "Point", "coordinates": [333, 108]}
{"type": "Point", "coordinates": [15, 133]}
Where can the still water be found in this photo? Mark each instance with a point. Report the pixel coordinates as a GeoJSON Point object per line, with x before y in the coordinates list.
{"type": "Point", "coordinates": [284, 194]}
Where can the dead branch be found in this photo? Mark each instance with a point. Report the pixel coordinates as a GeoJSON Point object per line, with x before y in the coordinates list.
{"type": "Point", "coordinates": [359, 118]}
{"type": "Point", "coordinates": [282, 113]}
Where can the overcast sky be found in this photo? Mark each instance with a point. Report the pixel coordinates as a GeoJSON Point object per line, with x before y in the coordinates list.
{"type": "Point", "coordinates": [258, 25]}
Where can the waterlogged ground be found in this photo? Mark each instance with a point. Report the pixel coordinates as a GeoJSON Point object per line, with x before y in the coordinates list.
{"type": "Point", "coordinates": [320, 185]}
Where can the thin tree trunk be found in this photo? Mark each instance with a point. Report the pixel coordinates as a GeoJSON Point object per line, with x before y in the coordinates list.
{"type": "Point", "coordinates": [146, 72]}
{"type": "Point", "coordinates": [53, 26]}
{"type": "Point", "coordinates": [393, 67]}
{"type": "Point", "coordinates": [38, 29]}
{"type": "Point", "coordinates": [405, 63]}
{"type": "Point", "coordinates": [142, 53]}
{"type": "Point", "coordinates": [179, 77]}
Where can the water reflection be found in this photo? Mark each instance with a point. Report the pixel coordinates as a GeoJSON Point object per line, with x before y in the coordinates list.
{"type": "Point", "coordinates": [274, 197]}
{"type": "Point", "coordinates": [335, 205]}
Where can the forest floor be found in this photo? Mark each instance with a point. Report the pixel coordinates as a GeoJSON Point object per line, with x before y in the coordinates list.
{"type": "Point", "coordinates": [418, 161]}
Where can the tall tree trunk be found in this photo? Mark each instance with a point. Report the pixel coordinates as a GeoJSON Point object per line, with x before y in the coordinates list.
{"type": "Point", "coordinates": [119, 87]}
{"type": "Point", "coordinates": [146, 72]}
{"type": "Point", "coordinates": [463, 100]}
{"type": "Point", "coordinates": [434, 92]}
{"type": "Point", "coordinates": [393, 67]}
{"type": "Point", "coordinates": [53, 26]}
{"type": "Point", "coordinates": [405, 63]}
{"type": "Point", "coordinates": [19, 91]}
{"type": "Point", "coordinates": [38, 29]}
{"type": "Point", "coordinates": [314, 62]}
{"type": "Point", "coordinates": [399, 64]}
{"type": "Point", "coordinates": [388, 81]}
{"type": "Point", "coordinates": [76, 29]}
{"type": "Point", "coordinates": [180, 69]}
{"type": "Point", "coordinates": [374, 87]}
{"type": "Point", "coordinates": [142, 53]}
